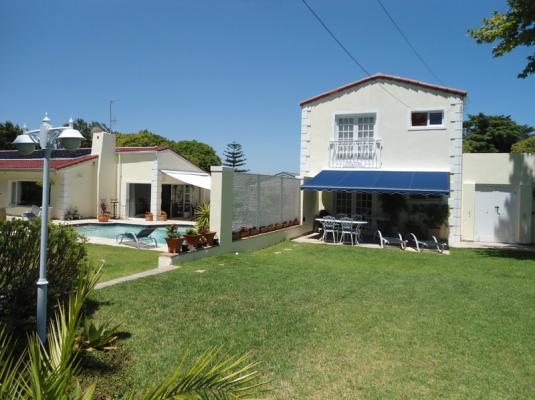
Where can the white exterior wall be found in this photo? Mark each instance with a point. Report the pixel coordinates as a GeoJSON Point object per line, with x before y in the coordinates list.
{"type": "Point", "coordinates": [133, 168]}
{"type": "Point", "coordinates": [78, 183]}
{"type": "Point", "coordinates": [402, 147]}
{"type": "Point", "coordinates": [514, 171]}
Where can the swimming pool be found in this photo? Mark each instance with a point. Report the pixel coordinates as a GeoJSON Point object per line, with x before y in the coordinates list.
{"type": "Point", "coordinates": [111, 230]}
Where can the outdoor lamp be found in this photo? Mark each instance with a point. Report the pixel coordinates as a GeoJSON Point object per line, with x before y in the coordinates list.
{"type": "Point", "coordinates": [24, 144]}
{"type": "Point", "coordinates": [70, 138]}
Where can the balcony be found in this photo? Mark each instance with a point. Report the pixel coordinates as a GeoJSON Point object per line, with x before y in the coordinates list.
{"type": "Point", "coordinates": [360, 153]}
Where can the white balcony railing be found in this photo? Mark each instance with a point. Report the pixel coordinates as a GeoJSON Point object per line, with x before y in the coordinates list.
{"type": "Point", "coordinates": [360, 153]}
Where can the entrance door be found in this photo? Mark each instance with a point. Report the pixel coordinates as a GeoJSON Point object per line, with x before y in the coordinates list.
{"type": "Point", "coordinates": [495, 214]}
{"type": "Point", "coordinates": [139, 199]}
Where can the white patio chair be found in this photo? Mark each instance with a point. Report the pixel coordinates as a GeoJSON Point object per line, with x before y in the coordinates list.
{"type": "Point", "coordinates": [329, 226]}
{"type": "Point", "coordinates": [346, 229]}
{"type": "Point", "coordinates": [385, 240]}
{"type": "Point", "coordinates": [427, 244]}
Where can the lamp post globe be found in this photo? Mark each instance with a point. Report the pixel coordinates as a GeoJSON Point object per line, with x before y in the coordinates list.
{"type": "Point", "coordinates": [24, 144]}
{"type": "Point", "coordinates": [71, 139]}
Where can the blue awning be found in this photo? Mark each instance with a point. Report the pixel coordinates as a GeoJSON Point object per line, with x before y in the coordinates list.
{"type": "Point", "coordinates": [401, 182]}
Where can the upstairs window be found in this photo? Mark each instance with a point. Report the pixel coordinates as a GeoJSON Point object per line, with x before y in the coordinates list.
{"type": "Point", "coordinates": [345, 128]}
{"type": "Point", "coordinates": [427, 119]}
{"type": "Point", "coordinates": [356, 127]}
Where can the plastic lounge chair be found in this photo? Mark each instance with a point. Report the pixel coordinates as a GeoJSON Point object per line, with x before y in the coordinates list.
{"type": "Point", "coordinates": [35, 212]}
{"type": "Point", "coordinates": [143, 236]}
{"type": "Point", "coordinates": [394, 241]}
{"type": "Point", "coordinates": [328, 227]}
{"type": "Point", "coordinates": [427, 244]}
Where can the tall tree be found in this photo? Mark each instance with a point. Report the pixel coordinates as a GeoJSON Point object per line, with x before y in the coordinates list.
{"type": "Point", "coordinates": [235, 157]}
{"type": "Point", "coordinates": [8, 133]}
{"type": "Point", "coordinates": [515, 27]}
{"type": "Point", "coordinates": [492, 133]}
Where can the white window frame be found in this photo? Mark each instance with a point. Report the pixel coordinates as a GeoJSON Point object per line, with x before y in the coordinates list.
{"type": "Point", "coordinates": [356, 115]}
{"type": "Point", "coordinates": [427, 127]}
{"type": "Point", "coordinates": [16, 193]}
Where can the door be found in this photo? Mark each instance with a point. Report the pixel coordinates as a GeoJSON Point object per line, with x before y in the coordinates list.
{"type": "Point", "coordinates": [495, 214]}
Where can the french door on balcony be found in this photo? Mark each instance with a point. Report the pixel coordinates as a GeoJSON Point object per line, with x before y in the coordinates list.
{"type": "Point", "coordinates": [355, 141]}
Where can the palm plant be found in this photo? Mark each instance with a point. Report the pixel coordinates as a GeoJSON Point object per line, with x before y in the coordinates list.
{"type": "Point", "coordinates": [202, 217]}
{"type": "Point", "coordinates": [49, 372]}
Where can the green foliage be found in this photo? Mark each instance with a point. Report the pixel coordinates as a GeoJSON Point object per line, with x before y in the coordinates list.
{"type": "Point", "coordinates": [202, 217]}
{"type": "Point", "coordinates": [172, 232]}
{"type": "Point", "coordinates": [524, 146]}
{"type": "Point", "coordinates": [235, 157]}
{"type": "Point", "coordinates": [8, 133]}
{"type": "Point", "coordinates": [510, 29]}
{"type": "Point", "coordinates": [97, 335]}
{"type": "Point", "coordinates": [19, 267]}
{"type": "Point", "coordinates": [198, 153]}
{"type": "Point", "coordinates": [191, 231]}
{"type": "Point", "coordinates": [492, 133]}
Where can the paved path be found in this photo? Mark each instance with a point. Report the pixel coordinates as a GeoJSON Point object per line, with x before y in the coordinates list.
{"type": "Point", "coordinates": [133, 277]}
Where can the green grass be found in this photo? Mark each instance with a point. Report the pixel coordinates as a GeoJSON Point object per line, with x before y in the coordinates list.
{"type": "Point", "coordinates": [335, 322]}
{"type": "Point", "coordinates": [121, 261]}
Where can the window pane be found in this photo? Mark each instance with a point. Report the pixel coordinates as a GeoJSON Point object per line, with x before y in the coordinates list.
{"type": "Point", "coordinates": [435, 118]}
{"type": "Point", "coordinates": [419, 119]}
{"type": "Point", "coordinates": [30, 194]}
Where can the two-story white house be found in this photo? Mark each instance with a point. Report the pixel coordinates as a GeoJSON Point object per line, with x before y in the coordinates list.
{"type": "Point", "coordinates": [379, 136]}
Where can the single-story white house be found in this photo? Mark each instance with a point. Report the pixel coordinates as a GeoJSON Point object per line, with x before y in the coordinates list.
{"type": "Point", "coordinates": [131, 180]}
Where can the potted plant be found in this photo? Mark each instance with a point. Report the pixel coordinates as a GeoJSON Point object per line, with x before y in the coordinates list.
{"type": "Point", "coordinates": [253, 231]}
{"type": "Point", "coordinates": [278, 226]}
{"type": "Point", "coordinates": [162, 216]}
{"type": "Point", "coordinates": [149, 216]}
{"type": "Point", "coordinates": [104, 214]}
{"type": "Point", "coordinates": [193, 238]}
{"type": "Point", "coordinates": [173, 239]}
{"type": "Point", "coordinates": [244, 232]}
{"type": "Point", "coordinates": [262, 229]}
{"type": "Point", "coordinates": [202, 216]}
{"type": "Point", "coordinates": [295, 221]}
{"type": "Point", "coordinates": [270, 228]}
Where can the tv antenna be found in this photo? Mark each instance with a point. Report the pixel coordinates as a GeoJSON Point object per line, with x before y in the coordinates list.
{"type": "Point", "coordinates": [112, 120]}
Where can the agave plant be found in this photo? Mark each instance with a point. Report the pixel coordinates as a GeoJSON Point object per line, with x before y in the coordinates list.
{"type": "Point", "coordinates": [49, 372]}
{"type": "Point", "coordinates": [202, 217]}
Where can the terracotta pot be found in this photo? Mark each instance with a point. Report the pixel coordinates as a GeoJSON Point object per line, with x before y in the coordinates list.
{"type": "Point", "coordinates": [193, 240]}
{"type": "Point", "coordinates": [270, 228]}
{"type": "Point", "coordinates": [148, 217]}
{"type": "Point", "coordinates": [163, 216]}
{"type": "Point", "coordinates": [209, 236]}
{"type": "Point", "coordinates": [174, 244]}
{"type": "Point", "coordinates": [295, 221]}
{"type": "Point", "coordinates": [263, 229]}
{"type": "Point", "coordinates": [253, 232]}
{"type": "Point", "coordinates": [103, 218]}
{"type": "Point", "coordinates": [278, 226]}
{"type": "Point", "coordinates": [244, 233]}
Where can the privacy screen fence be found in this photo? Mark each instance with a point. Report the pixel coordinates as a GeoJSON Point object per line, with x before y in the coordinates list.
{"type": "Point", "coordinates": [261, 200]}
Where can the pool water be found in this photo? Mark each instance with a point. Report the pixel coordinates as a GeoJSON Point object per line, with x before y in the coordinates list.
{"type": "Point", "coordinates": [111, 230]}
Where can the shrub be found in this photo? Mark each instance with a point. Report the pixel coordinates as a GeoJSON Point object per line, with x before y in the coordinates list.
{"type": "Point", "coordinates": [524, 146]}
{"type": "Point", "coordinates": [19, 267]}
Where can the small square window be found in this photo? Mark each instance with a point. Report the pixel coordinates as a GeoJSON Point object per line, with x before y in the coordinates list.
{"type": "Point", "coordinates": [419, 119]}
{"type": "Point", "coordinates": [435, 118]}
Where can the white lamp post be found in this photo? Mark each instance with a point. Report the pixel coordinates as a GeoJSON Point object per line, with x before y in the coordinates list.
{"type": "Point", "coordinates": [48, 138]}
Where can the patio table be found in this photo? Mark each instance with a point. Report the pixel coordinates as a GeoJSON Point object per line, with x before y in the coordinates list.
{"type": "Point", "coordinates": [339, 221]}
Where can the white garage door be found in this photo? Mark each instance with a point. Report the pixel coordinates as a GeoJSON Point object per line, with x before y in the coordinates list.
{"type": "Point", "coordinates": [495, 214]}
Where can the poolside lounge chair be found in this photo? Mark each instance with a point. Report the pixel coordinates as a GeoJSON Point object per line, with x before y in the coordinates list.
{"type": "Point", "coordinates": [395, 241]}
{"type": "Point", "coordinates": [35, 212]}
{"type": "Point", "coordinates": [142, 237]}
{"type": "Point", "coordinates": [427, 244]}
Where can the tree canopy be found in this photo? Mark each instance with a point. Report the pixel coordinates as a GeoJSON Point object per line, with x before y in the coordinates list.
{"type": "Point", "coordinates": [8, 133]}
{"type": "Point", "coordinates": [492, 133]}
{"type": "Point", "coordinates": [524, 146]}
{"type": "Point", "coordinates": [511, 29]}
{"type": "Point", "coordinates": [198, 153]}
{"type": "Point", "coordinates": [235, 157]}
{"type": "Point", "coordinates": [85, 129]}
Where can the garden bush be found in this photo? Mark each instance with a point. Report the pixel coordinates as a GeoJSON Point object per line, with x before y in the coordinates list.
{"type": "Point", "coordinates": [19, 268]}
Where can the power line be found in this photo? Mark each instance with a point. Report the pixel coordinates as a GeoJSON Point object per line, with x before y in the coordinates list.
{"type": "Point", "coordinates": [409, 42]}
{"type": "Point", "coordinates": [318, 18]}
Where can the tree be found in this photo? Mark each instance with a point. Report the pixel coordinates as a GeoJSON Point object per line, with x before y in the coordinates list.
{"type": "Point", "coordinates": [492, 133]}
{"type": "Point", "coordinates": [524, 146]}
{"type": "Point", "coordinates": [85, 129]}
{"type": "Point", "coordinates": [511, 29]}
{"type": "Point", "coordinates": [201, 154]}
{"type": "Point", "coordinates": [8, 133]}
{"type": "Point", "coordinates": [234, 157]}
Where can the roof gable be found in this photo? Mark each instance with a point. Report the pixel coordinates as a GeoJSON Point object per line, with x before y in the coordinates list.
{"type": "Point", "coordinates": [386, 77]}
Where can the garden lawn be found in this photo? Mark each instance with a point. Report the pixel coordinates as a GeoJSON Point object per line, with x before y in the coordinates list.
{"type": "Point", "coordinates": [121, 261]}
{"type": "Point", "coordinates": [337, 322]}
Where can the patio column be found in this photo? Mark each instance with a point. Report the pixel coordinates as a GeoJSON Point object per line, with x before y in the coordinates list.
{"type": "Point", "coordinates": [156, 190]}
{"type": "Point", "coordinates": [221, 204]}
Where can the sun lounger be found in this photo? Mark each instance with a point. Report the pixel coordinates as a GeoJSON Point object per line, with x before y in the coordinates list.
{"type": "Point", "coordinates": [394, 241]}
{"type": "Point", "coordinates": [142, 237]}
{"type": "Point", "coordinates": [427, 244]}
{"type": "Point", "coordinates": [35, 212]}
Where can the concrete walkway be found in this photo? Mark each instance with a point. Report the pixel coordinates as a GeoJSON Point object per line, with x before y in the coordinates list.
{"type": "Point", "coordinates": [133, 277]}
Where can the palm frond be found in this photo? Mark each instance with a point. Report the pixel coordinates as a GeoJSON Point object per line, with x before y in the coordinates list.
{"type": "Point", "coordinates": [10, 368]}
{"type": "Point", "coordinates": [210, 377]}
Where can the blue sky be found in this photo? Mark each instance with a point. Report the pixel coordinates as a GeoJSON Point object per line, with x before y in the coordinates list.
{"type": "Point", "coordinates": [218, 71]}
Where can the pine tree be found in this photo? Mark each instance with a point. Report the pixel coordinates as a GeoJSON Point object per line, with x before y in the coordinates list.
{"type": "Point", "coordinates": [234, 157]}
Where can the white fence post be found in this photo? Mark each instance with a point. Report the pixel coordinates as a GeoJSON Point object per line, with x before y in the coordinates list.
{"type": "Point", "coordinates": [221, 203]}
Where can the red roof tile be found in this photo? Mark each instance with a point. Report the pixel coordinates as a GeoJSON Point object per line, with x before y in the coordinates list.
{"type": "Point", "coordinates": [38, 163]}
{"type": "Point", "coordinates": [385, 77]}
